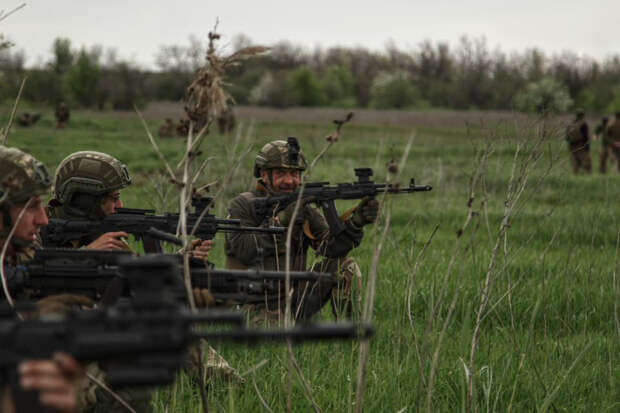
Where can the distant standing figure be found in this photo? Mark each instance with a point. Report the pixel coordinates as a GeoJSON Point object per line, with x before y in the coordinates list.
{"type": "Point", "coordinates": [578, 138]}
{"type": "Point", "coordinates": [226, 121]}
{"type": "Point", "coordinates": [613, 139]}
{"type": "Point", "coordinates": [166, 129]}
{"type": "Point", "coordinates": [62, 115]}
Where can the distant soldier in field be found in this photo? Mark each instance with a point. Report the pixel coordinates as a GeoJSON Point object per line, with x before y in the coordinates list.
{"type": "Point", "coordinates": [26, 119]}
{"type": "Point", "coordinates": [577, 136]}
{"type": "Point", "coordinates": [613, 138]}
{"type": "Point", "coordinates": [166, 129]}
{"type": "Point", "coordinates": [601, 133]}
{"type": "Point", "coordinates": [226, 121]}
{"type": "Point", "coordinates": [62, 115]}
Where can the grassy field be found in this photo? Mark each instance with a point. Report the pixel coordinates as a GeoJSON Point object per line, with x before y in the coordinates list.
{"type": "Point", "coordinates": [548, 334]}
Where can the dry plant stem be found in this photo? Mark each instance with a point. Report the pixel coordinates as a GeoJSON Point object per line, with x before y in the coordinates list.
{"type": "Point", "coordinates": [199, 138]}
{"type": "Point", "coordinates": [185, 194]}
{"type": "Point", "coordinates": [12, 118]}
{"type": "Point", "coordinates": [173, 178]}
{"type": "Point", "coordinates": [110, 392]}
{"type": "Point", "coordinates": [4, 16]}
{"type": "Point", "coordinates": [7, 242]}
{"type": "Point", "coordinates": [515, 189]}
{"type": "Point", "coordinates": [260, 396]}
{"type": "Point", "coordinates": [302, 379]}
{"type": "Point", "coordinates": [369, 296]}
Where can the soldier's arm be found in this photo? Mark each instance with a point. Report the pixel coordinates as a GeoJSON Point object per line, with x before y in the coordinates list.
{"type": "Point", "coordinates": [15, 278]}
{"type": "Point", "coordinates": [244, 246]}
{"type": "Point", "coordinates": [584, 131]}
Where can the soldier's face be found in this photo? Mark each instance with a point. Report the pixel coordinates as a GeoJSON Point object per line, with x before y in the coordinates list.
{"type": "Point", "coordinates": [283, 180]}
{"type": "Point", "coordinates": [110, 202]}
{"type": "Point", "coordinates": [34, 217]}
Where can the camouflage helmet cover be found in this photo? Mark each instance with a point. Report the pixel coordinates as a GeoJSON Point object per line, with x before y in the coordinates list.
{"type": "Point", "coordinates": [23, 176]}
{"type": "Point", "coordinates": [280, 154]}
{"type": "Point", "coordinates": [89, 172]}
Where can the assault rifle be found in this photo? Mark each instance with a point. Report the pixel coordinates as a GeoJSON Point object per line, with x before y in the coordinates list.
{"type": "Point", "coordinates": [324, 195]}
{"type": "Point", "coordinates": [141, 341]}
{"type": "Point", "coordinates": [141, 222]}
{"type": "Point", "coordinates": [96, 274]}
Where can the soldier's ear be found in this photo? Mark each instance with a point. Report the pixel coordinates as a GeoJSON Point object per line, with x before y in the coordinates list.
{"type": "Point", "coordinates": [265, 176]}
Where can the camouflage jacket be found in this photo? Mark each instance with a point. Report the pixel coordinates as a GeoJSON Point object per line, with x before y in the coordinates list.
{"type": "Point", "coordinates": [13, 270]}
{"type": "Point", "coordinates": [242, 248]}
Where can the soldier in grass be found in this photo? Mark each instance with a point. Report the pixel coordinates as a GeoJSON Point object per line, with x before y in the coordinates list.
{"type": "Point", "coordinates": [24, 182]}
{"type": "Point", "coordinates": [278, 169]}
{"type": "Point", "coordinates": [62, 116]}
{"type": "Point", "coordinates": [613, 138]}
{"type": "Point", "coordinates": [577, 136]}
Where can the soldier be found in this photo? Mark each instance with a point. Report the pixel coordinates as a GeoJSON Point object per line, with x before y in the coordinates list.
{"type": "Point", "coordinates": [183, 127]}
{"type": "Point", "coordinates": [613, 138]}
{"type": "Point", "coordinates": [166, 129]}
{"type": "Point", "coordinates": [24, 181]}
{"type": "Point", "coordinates": [278, 170]}
{"type": "Point", "coordinates": [577, 136]}
{"type": "Point", "coordinates": [87, 186]}
{"type": "Point", "coordinates": [62, 115]}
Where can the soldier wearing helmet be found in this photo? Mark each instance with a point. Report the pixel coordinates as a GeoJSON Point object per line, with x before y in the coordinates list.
{"type": "Point", "coordinates": [24, 181]}
{"type": "Point", "coordinates": [578, 138]}
{"type": "Point", "coordinates": [278, 169]}
{"type": "Point", "coordinates": [88, 185]}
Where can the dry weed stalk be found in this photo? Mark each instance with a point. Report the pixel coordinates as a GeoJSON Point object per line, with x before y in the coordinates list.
{"type": "Point", "coordinates": [522, 167]}
{"type": "Point", "coordinates": [369, 296]}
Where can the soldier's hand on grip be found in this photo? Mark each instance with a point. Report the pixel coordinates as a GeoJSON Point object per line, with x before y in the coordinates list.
{"type": "Point", "coordinates": [200, 249]}
{"type": "Point", "coordinates": [57, 381]}
{"type": "Point", "coordinates": [203, 298]}
{"type": "Point", "coordinates": [284, 216]}
{"type": "Point", "coordinates": [63, 303]}
{"type": "Point", "coordinates": [109, 241]}
{"type": "Point", "coordinates": [366, 212]}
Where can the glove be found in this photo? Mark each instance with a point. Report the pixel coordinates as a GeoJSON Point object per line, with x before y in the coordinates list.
{"type": "Point", "coordinates": [63, 304]}
{"type": "Point", "coordinates": [366, 212]}
{"type": "Point", "coordinates": [284, 216]}
{"type": "Point", "coordinates": [203, 298]}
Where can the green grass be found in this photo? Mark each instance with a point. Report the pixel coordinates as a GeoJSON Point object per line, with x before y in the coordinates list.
{"type": "Point", "coordinates": [551, 345]}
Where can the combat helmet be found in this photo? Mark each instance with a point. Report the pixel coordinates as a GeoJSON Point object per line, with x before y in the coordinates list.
{"type": "Point", "coordinates": [280, 154]}
{"type": "Point", "coordinates": [89, 172]}
{"type": "Point", "coordinates": [23, 177]}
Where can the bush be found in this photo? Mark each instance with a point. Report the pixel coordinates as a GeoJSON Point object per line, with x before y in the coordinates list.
{"type": "Point", "coordinates": [273, 91]}
{"type": "Point", "coordinates": [82, 80]}
{"type": "Point", "coordinates": [544, 97]}
{"type": "Point", "coordinates": [393, 91]}
{"type": "Point", "coordinates": [337, 83]}
{"type": "Point", "coordinates": [305, 86]}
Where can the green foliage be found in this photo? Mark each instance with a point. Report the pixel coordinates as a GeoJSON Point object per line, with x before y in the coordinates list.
{"type": "Point", "coordinates": [82, 80]}
{"type": "Point", "coordinates": [306, 87]}
{"type": "Point", "coordinates": [337, 83]}
{"type": "Point", "coordinates": [544, 97]}
{"type": "Point", "coordinates": [614, 105]}
{"type": "Point", "coordinates": [63, 55]}
{"type": "Point", "coordinates": [273, 90]}
{"type": "Point", "coordinates": [393, 91]}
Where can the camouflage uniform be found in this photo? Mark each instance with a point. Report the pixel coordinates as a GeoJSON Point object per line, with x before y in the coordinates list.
{"type": "Point", "coordinates": [577, 136]}
{"type": "Point", "coordinates": [82, 180]}
{"type": "Point", "coordinates": [242, 249]}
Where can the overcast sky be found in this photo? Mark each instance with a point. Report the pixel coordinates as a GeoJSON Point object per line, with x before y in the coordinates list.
{"type": "Point", "coordinates": [136, 28]}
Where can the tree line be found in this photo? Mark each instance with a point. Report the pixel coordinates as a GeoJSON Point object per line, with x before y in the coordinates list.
{"type": "Point", "coordinates": [468, 75]}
